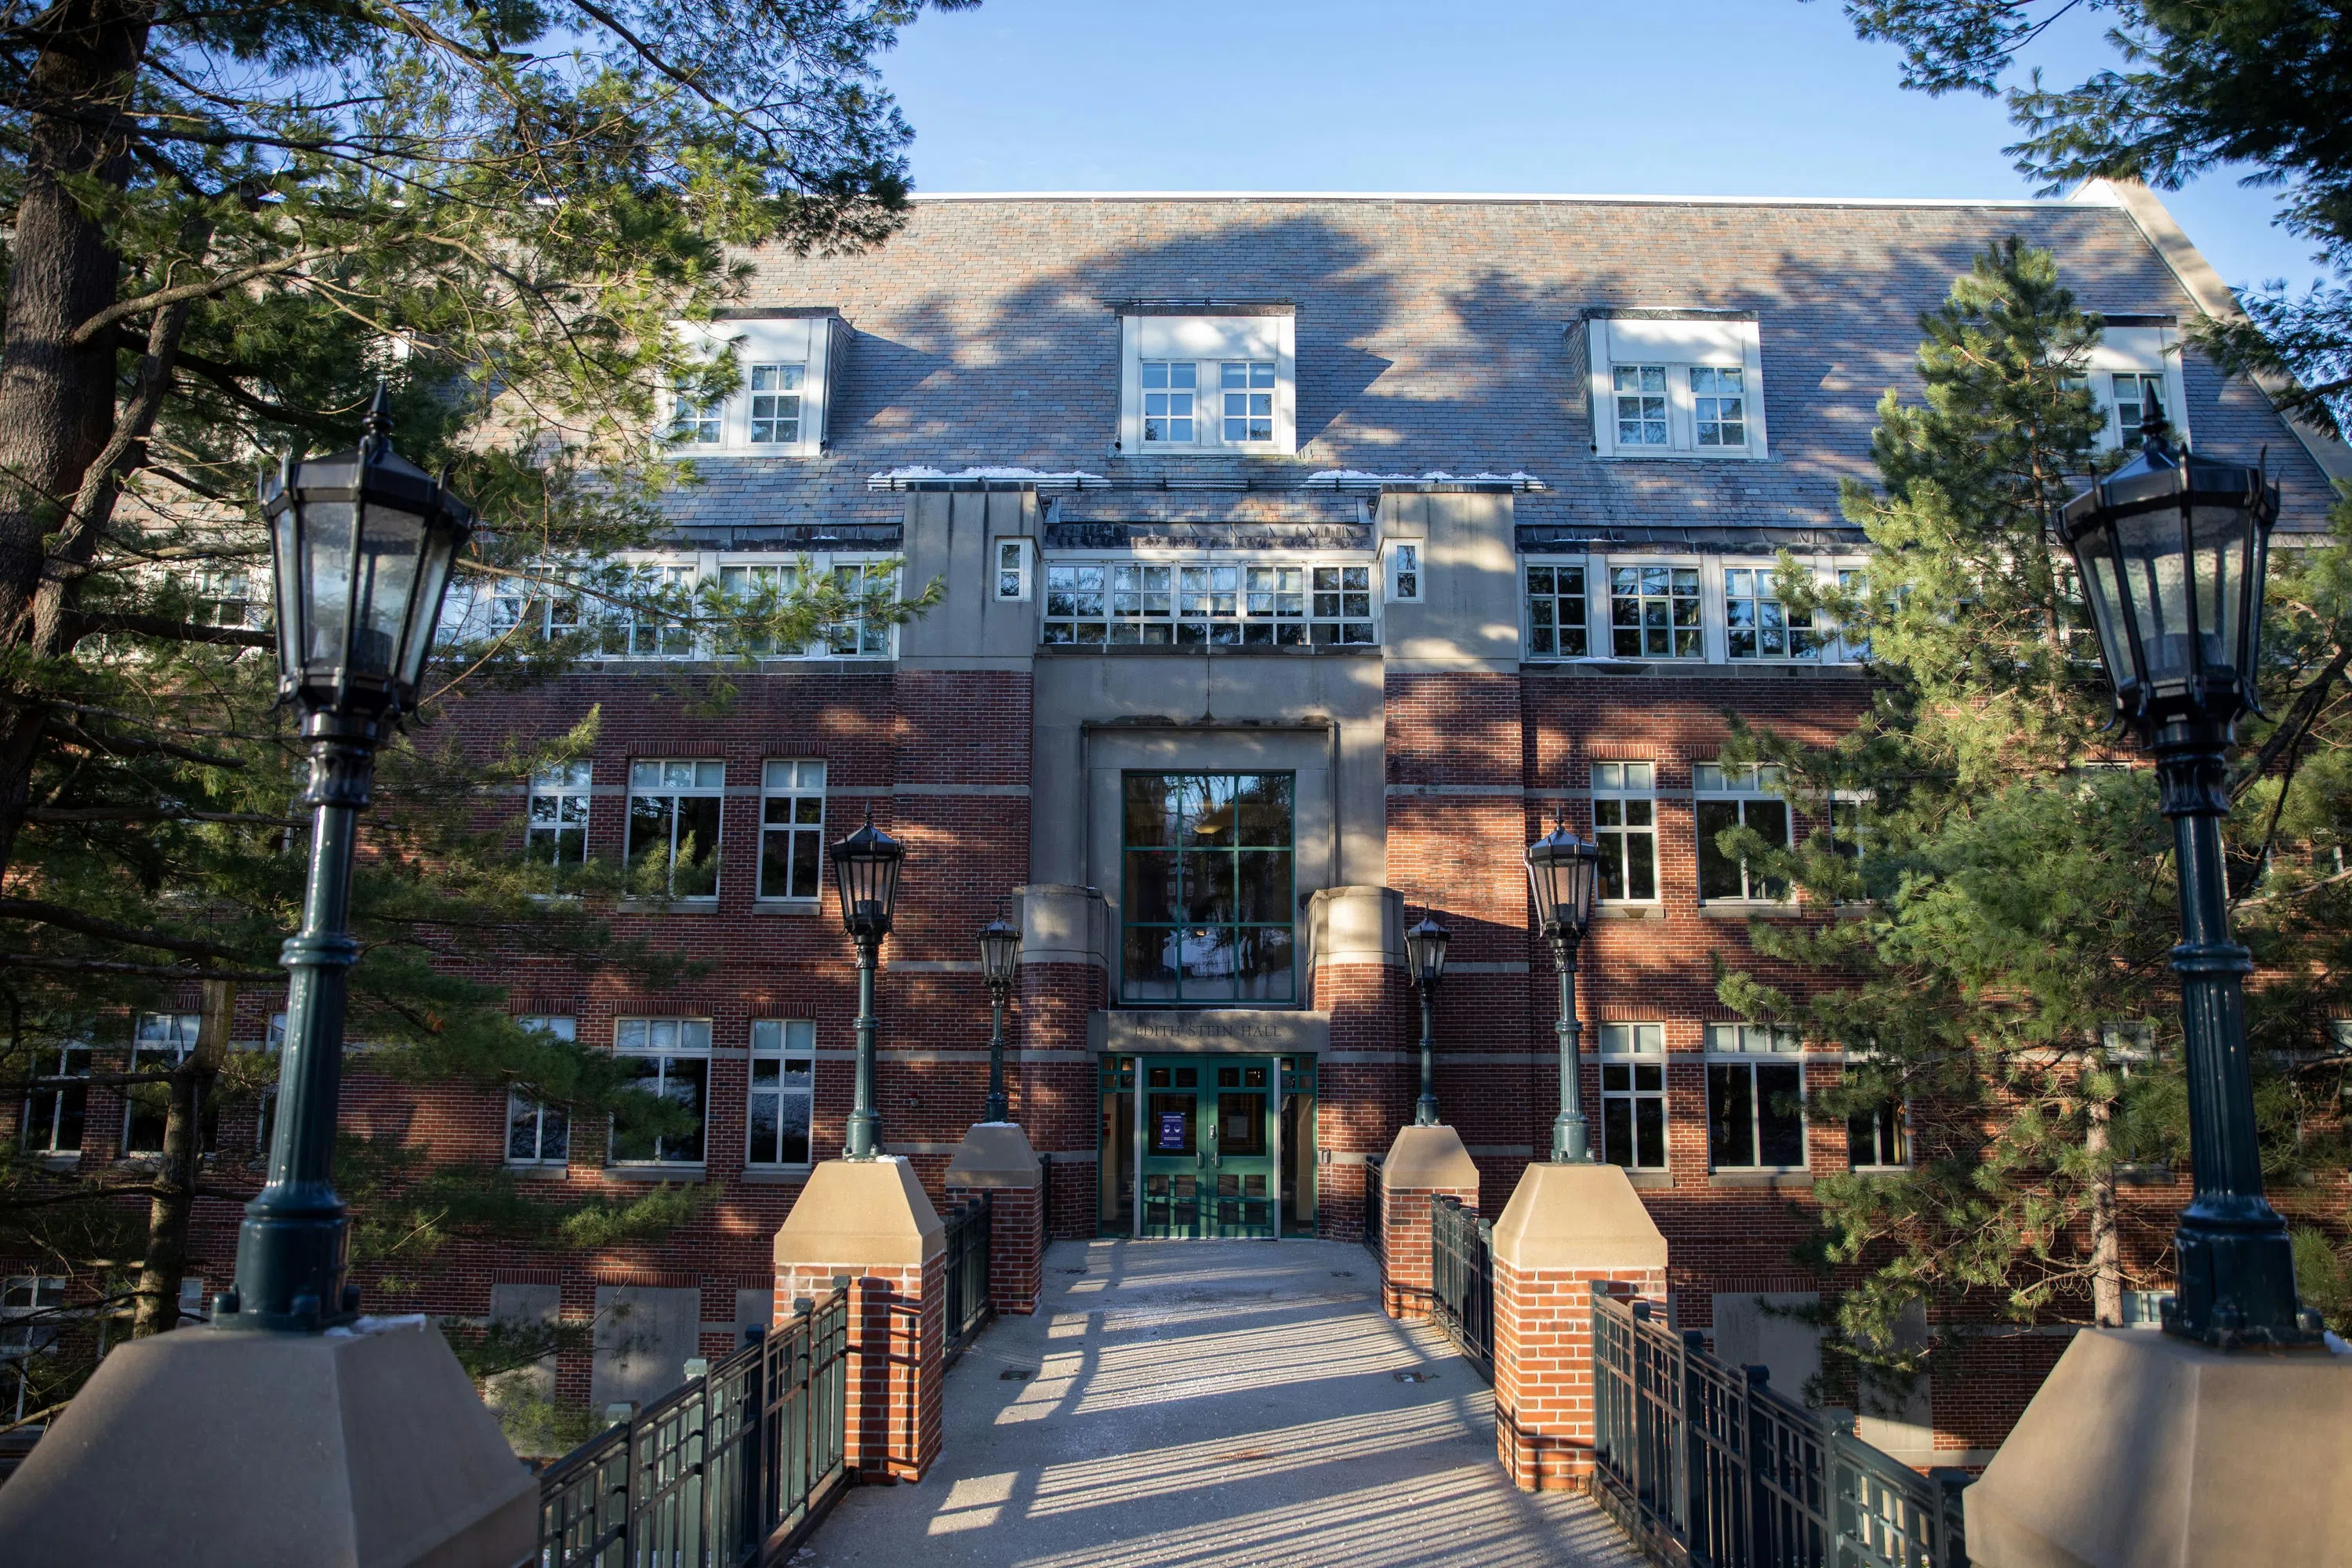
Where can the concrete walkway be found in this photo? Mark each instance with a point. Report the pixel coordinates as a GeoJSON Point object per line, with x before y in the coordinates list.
{"type": "Point", "coordinates": [1213, 1404]}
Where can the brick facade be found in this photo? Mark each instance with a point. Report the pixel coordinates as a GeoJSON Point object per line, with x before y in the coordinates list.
{"type": "Point", "coordinates": [1543, 1367]}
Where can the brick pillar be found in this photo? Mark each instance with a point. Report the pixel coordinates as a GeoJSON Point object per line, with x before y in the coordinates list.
{"type": "Point", "coordinates": [871, 1222]}
{"type": "Point", "coordinates": [1064, 983]}
{"type": "Point", "coordinates": [1569, 1231]}
{"type": "Point", "coordinates": [995, 1158]}
{"type": "Point", "coordinates": [1423, 1164]}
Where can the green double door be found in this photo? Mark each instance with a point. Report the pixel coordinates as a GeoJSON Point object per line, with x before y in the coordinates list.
{"type": "Point", "coordinates": [1207, 1146]}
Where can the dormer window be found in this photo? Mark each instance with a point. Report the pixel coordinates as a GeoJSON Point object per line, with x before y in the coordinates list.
{"type": "Point", "coordinates": [1201, 380]}
{"type": "Point", "coordinates": [2136, 358]}
{"type": "Point", "coordinates": [788, 364]}
{"type": "Point", "coordinates": [1676, 384]}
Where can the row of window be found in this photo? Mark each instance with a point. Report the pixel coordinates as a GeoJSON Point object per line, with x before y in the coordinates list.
{"type": "Point", "coordinates": [670, 1058]}
{"type": "Point", "coordinates": [1625, 826]}
{"type": "Point", "coordinates": [1754, 1104]}
{"type": "Point", "coordinates": [655, 620]}
{"type": "Point", "coordinates": [55, 1119]}
{"type": "Point", "coordinates": [675, 822]}
{"type": "Point", "coordinates": [1696, 610]}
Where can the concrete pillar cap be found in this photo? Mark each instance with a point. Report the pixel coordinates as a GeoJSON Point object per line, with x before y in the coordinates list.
{"type": "Point", "coordinates": [1576, 1217]}
{"type": "Point", "coordinates": [2144, 1449]}
{"type": "Point", "coordinates": [995, 1154]}
{"type": "Point", "coordinates": [865, 1213]}
{"type": "Point", "coordinates": [1429, 1157]}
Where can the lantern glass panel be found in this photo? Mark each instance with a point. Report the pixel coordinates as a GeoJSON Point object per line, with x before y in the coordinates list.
{"type": "Point", "coordinates": [293, 607]}
{"type": "Point", "coordinates": [2156, 581]}
{"type": "Point", "coordinates": [391, 542]}
{"type": "Point", "coordinates": [999, 953]}
{"type": "Point", "coordinates": [2218, 540]}
{"type": "Point", "coordinates": [2103, 588]}
{"type": "Point", "coordinates": [326, 578]}
{"type": "Point", "coordinates": [425, 612]}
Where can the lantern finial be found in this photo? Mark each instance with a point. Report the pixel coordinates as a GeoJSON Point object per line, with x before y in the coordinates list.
{"type": "Point", "coordinates": [378, 423]}
{"type": "Point", "coordinates": [2154, 433]}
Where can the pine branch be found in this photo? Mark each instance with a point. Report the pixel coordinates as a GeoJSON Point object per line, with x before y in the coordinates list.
{"type": "Point", "coordinates": [156, 971]}
{"type": "Point", "coordinates": [64, 918]}
{"type": "Point", "coordinates": [112, 745]}
{"type": "Point", "coordinates": [83, 623]}
{"type": "Point", "coordinates": [66, 816]}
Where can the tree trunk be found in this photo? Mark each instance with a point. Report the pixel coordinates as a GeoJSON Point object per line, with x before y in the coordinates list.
{"type": "Point", "coordinates": [174, 1199]}
{"type": "Point", "coordinates": [56, 396]}
{"type": "Point", "coordinates": [2107, 1250]}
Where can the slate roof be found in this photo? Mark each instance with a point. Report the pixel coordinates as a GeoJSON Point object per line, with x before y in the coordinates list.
{"type": "Point", "coordinates": [1432, 333]}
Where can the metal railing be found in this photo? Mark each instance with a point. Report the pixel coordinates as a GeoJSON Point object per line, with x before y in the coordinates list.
{"type": "Point", "coordinates": [732, 1470]}
{"type": "Point", "coordinates": [967, 1301]}
{"type": "Point", "coordinates": [1375, 1239]}
{"type": "Point", "coordinates": [1462, 1280]}
{"type": "Point", "coordinates": [1703, 1464]}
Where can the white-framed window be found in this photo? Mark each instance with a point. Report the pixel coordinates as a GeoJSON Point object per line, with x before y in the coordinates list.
{"type": "Point", "coordinates": [1403, 573]}
{"type": "Point", "coordinates": [775, 412]}
{"type": "Point", "coordinates": [670, 1059]}
{"type": "Point", "coordinates": [52, 1118]}
{"type": "Point", "coordinates": [538, 612]}
{"type": "Point", "coordinates": [1852, 648]}
{"type": "Point", "coordinates": [784, 1091]}
{"type": "Point", "coordinates": [1879, 1139]}
{"type": "Point", "coordinates": [264, 1122]}
{"type": "Point", "coordinates": [647, 625]}
{"type": "Point", "coordinates": [538, 1134]}
{"type": "Point", "coordinates": [1633, 1095]}
{"type": "Point", "coordinates": [787, 367]}
{"type": "Point", "coordinates": [1849, 822]}
{"type": "Point", "coordinates": [556, 833]}
{"type": "Point", "coordinates": [1755, 1099]}
{"type": "Point", "coordinates": [1207, 383]}
{"type": "Point", "coordinates": [860, 636]}
{"type": "Point", "coordinates": [160, 1040]}
{"type": "Point", "coordinates": [791, 829]}
{"type": "Point", "coordinates": [1011, 569]}
{"type": "Point", "coordinates": [1655, 611]}
{"type": "Point", "coordinates": [674, 817]}
{"type": "Point", "coordinates": [1737, 797]}
{"type": "Point", "coordinates": [222, 596]}
{"type": "Point", "coordinates": [1757, 625]}
{"type": "Point", "coordinates": [1558, 614]}
{"type": "Point", "coordinates": [2129, 364]}
{"type": "Point", "coordinates": [1625, 826]}
{"type": "Point", "coordinates": [2145, 1309]}
{"type": "Point", "coordinates": [1668, 383]}
{"type": "Point", "coordinates": [30, 1308]}
{"type": "Point", "coordinates": [1241, 604]}
{"type": "Point", "coordinates": [759, 582]}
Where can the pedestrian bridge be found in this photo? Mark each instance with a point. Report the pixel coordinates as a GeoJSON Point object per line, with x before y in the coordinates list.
{"type": "Point", "coordinates": [1214, 1404]}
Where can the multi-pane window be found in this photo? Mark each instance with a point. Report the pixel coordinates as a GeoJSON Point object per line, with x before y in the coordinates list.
{"type": "Point", "coordinates": [647, 625]}
{"type": "Point", "coordinates": [30, 1305]}
{"type": "Point", "coordinates": [1011, 569]}
{"type": "Point", "coordinates": [784, 1091]}
{"type": "Point", "coordinates": [1653, 612]}
{"type": "Point", "coordinates": [1209, 897]}
{"type": "Point", "coordinates": [1848, 814]}
{"type": "Point", "coordinates": [557, 831]}
{"type": "Point", "coordinates": [1404, 573]}
{"type": "Point", "coordinates": [1878, 1139]}
{"type": "Point", "coordinates": [1633, 1095]}
{"type": "Point", "coordinates": [776, 403]}
{"type": "Point", "coordinates": [1171, 397]}
{"type": "Point", "coordinates": [1755, 1099]}
{"type": "Point", "coordinates": [1246, 387]}
{"type": "Point", "coordinates": [264, 1126]}
{"type": "Point", "coordinates": [860, 635]}
{"type": "Point", "coordinates": [1089, 602]}
{"type": "Point", "coordinates": [1850, 580]}
{"type": "Point", "coordinates": [1757, 625]}
{"type": "Point", "coordinates": [1641, 396]}
{"type": "Point", "coordinates": [160, 1040]}
{"type": "Point", "coordinates": [1718, 405]}
{"type": "Point", "coordinates": [669, 1058]}
{"type": "Point", "coordinates": [791, 829]}
{"type": "Point", "coordinates": [1625, 826]}
{"type": "Point", "coordinates": [537, 1133]}
{"type": "Point", "coordinates": [534, 610]}
{"type": "Point", "coordinates": [53, 1116]}
{"type": "Point", "coordinates": [1737, 797]}
{"type": "Point", "coordinates": [694, 422]}
{"type": "Point", "coordinates": [673, 850]}
{"type": "Point", "coordinates": [2133, 390]}
{"type": "Point", "coordinates": [1556, 626]}
{"type": "Point", "coordinates": [222, 597]}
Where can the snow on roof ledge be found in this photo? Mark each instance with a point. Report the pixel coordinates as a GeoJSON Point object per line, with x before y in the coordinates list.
{"type": "Point", "coordinates": [1517, 481]}
{"type": "Point", "coordinates": [918, 476]}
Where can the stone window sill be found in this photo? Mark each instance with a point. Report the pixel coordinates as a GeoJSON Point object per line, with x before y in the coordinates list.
{"type": "Point", "coordinates": [788, 907]}
{"type": "Point", "coordinates": [1187, 650]}
{"type": "Point", "coordinates": [1751, 909]}
{"type": "Point", "coordinates": [537, 1170]}
{"type": "Point", "coordinates": [656, 1172]}
{"type": "Point", "coordinates": [667, 906]}
{"type": "Point", "coordinates": [1651, 1178]}
{"type": "Point", "coordinates": [776, 1176]}
{"type": "Point", "coordinates": [1762, 1181]}
{"type": "Point", "coordinates": [1630, 912]}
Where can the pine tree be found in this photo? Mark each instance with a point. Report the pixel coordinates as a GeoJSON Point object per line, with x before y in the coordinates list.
{"type": "Point", "coordinates": [1999, 965]}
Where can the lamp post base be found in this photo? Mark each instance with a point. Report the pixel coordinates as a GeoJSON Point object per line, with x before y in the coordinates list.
{"type": "Point", "coordinates": [366, 1446]}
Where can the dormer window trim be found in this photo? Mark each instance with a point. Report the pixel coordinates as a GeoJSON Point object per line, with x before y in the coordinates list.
{"type": "Point", "coordinates": [1676, 384]}
{"type": "Point", "coordinates": [2146, 350]}
{"type": "Point", "coordinates": [1207, 378]}
{"type": "Point", "coordinates": [788, 365]}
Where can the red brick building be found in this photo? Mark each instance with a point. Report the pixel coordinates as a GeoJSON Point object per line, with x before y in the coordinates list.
{"type": "Point", "coordinates": [1302, 558]}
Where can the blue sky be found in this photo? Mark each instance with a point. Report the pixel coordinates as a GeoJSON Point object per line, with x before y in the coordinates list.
{"type": "Point", "coordinates": [1673, 97]}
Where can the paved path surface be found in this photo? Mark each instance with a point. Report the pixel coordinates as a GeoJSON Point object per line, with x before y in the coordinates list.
{"type": "Point", "coordinates": [1213, 1404]}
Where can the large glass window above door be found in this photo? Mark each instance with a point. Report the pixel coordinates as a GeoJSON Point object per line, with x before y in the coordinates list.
{"type": "Point", "coordinates": [1208, 891]}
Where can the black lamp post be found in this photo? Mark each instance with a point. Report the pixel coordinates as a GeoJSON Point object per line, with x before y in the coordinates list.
{"type": "Point", "coordinates": [2173, 548]}
{"type": "Point", "coordinates": [1563, 871]}
{"type": "Point", "coordinates": [1425, 954]}
{"type": "Point", "coordinates": [1000, 965]}
{"type": "Point", "coordinates": [361, 543]}
{"type": "Point", "coordinates": [865, 876]}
